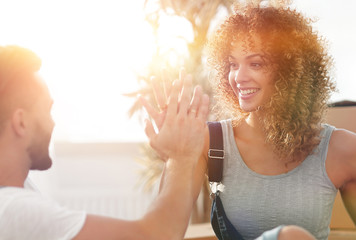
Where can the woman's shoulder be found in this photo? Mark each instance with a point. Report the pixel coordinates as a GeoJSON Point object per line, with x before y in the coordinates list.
{"type": "Point", "coordinates": [343, 142]}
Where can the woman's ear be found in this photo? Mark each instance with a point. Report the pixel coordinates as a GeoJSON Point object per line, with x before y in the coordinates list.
{"type": "Point", "coordinates": [18, 122]}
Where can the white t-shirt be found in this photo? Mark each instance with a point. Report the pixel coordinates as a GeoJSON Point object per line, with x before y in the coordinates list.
{"type": "Point", "coordinates": [26, 214]}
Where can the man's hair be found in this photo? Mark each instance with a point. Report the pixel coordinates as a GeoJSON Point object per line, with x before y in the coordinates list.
{"type": "Point", "coordinates": [297, 56]}
{"type": "Point", "coordinates": [17, 68]}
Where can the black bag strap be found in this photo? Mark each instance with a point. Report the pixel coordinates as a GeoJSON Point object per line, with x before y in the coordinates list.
{"type": "Point", "coordinates": [221, 225]}
{"type": "Point", "coordinates": [216, 152]}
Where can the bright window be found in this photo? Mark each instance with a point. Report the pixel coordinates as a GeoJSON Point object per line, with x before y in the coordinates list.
{"type": "Point", "coordinates": [91, 50]}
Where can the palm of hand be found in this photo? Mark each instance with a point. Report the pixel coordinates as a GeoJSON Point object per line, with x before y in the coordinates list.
{"type": "Point", "coordinates": [180, 123]}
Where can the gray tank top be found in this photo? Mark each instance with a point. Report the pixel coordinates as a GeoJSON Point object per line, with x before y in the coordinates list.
{"type": "Point", "coordinates": [255, 203]}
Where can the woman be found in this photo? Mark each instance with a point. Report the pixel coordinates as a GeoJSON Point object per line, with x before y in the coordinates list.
{"type": "Point", "coordinates": [283, 165]}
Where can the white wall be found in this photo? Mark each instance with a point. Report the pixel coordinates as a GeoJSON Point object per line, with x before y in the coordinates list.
{"type": "Point", "coordinates": [101, 178]}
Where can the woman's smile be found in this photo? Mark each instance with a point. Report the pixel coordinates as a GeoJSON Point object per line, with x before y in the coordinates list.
{"type": "Point", "coordinates": [247, 93]}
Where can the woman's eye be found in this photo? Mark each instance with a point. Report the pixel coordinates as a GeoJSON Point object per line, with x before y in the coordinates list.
{"type": "Point", "coordinates": [233, 65]}
{"type": "Point", "coordinates": [256, 65]}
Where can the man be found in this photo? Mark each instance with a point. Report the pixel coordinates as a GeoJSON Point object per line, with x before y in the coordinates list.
{"type": "Point", "coordinates": [25, 131]}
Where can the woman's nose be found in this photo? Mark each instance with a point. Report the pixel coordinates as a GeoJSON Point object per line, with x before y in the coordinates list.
{"type": "Point", "coordinates": [240, 75]}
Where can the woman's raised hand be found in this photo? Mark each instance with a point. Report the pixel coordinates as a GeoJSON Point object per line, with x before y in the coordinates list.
{"type": "Point", "coordinates": [181, 120]}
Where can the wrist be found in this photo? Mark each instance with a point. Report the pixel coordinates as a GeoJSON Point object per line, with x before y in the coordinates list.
{"type": "Point", "coordinates": [179, 175]}
{"type": "Point", "coordinates": [181, 161]}
{"type": "Point", "coordinates": [180, 167]}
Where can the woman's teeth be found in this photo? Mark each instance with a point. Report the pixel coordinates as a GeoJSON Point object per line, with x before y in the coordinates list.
{"type": "Point", "coordinates": [248, 91]}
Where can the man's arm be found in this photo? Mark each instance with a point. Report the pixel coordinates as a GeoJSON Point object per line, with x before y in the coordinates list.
{"type": "Point", "coordinates": [181, 139]}
{"type": "Point", "coordinates": [167, 217]}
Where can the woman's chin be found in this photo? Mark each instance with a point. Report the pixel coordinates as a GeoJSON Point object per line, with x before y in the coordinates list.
{"type": "Point", "coordinates": [249, 109]}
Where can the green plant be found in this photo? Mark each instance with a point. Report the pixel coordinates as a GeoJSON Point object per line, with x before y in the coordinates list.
{"type": "Point", "coordinates": [199, 16]}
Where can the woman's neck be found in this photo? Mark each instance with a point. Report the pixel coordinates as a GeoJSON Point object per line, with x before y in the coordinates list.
{"type": "Point", "coordinates": [250, 129]}
{"type": "Point", "coordinates": [253, 121]}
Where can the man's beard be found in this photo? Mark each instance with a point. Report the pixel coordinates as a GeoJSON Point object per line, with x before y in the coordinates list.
{"type": "Point", "coordinates": [38, 152]}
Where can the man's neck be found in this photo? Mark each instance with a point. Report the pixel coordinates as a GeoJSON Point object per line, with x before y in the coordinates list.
{"type": "Point", "coordinates": [14, 159]}
{"type": "Point", "coordinates": [13, 171]}
{"type": "Point", "coordinates": [12, 178]}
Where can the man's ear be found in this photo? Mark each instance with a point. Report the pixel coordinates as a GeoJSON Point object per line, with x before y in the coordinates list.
{"type": "Point", "coordinates": [18, 122]}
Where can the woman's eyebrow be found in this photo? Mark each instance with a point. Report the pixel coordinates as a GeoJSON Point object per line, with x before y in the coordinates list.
{"type": "Point", "coordinates": [249, 56]}
{"type": "Point", "coordinates": [254, 55]}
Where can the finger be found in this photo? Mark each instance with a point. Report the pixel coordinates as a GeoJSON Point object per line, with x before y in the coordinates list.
{"type": "Point", "coordinates": [185, 95]}
{"type": "Point", "coordinates": [149, 130]}
{"type": "Point", "coordinates": [182, 77]}
{"type": "Point", "coordinates": [182, 73]}
{"type": "Point", "coordinates": [159, 93]}
{"type": "Point", "coordinates": [149, 109]}
{"type": "Point", "coordinates": [167, 84]}
{"type": "Point", "coordinates": [194, 105]}
{"type": "Point", "coordinates": [172, 107]}
{"type": "Point", "coordinates": [203, 111]}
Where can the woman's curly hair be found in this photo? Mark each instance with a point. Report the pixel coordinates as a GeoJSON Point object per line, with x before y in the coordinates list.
{"type": "Point", "coordinates": [299, 59]}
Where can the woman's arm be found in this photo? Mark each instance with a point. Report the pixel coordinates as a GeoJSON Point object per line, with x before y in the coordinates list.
{"type": "Point", "coordinates": [348, 194]}
{"type": "Point", "coordinates": [200, 171]}
{"type": "Point", "coordinates": [341, 167]}
{"type": "Point", "coordinates": [161, 91]}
